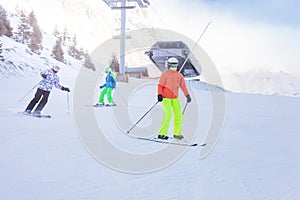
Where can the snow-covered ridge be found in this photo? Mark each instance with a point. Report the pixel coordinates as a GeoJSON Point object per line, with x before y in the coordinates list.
{"type": "Point", "coordinates": [19, 60]}
{"type": "Point", "coordinates": [264, 82]}
{"type": "Point", "coordinates": [93, 22]}
{"type": "Point", "coordinates": [199, 85]}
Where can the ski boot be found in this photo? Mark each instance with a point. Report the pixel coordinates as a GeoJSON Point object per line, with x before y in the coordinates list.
{"type": "Point", "coordinates": [178, 137]}
{"type": "Point", "coordinates": [163, 137]}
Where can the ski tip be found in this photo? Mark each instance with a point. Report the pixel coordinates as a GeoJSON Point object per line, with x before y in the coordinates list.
{"type": "Point", "coordinates": [195, 144]}
{"type": "Point", "coordinates": [42, 116]}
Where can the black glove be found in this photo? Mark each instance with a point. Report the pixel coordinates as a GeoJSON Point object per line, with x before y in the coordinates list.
{"type": "Point", "coordinates": [65, 89]}
{"type": "Point", "coordinates": [188, 98]}
{"type": "Point", "coordinates": [44, 76]}
{"type": "Point", "coordinates": [160, 97]}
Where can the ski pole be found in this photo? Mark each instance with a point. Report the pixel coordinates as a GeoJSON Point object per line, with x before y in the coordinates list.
{"type": "Point", "coordinates": [122, 97]}
{"type": "Point", "coordinates": [68, 102]}
{"type": "Point", "coordinates": [142, 117]}
{"type": "Point", "coordinates": [184, 108]}
{"type": "Point", "coordinates": [194, 46]}
{"type": "Point", "coordinates": [30, 91]}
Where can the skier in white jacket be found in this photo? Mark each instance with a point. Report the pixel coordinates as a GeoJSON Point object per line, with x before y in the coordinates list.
{"type": "Point", "coordinates": [50, 78]}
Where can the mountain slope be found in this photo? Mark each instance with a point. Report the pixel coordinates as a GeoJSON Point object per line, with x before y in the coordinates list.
{"type": "Point", "coordinates": [19, 60]}
{"type": "Point", "coordinates": [92, 21]}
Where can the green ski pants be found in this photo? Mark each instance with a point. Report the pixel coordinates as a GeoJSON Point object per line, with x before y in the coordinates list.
{"type": "Point", "coordinates": [108, 92]}
{"type": "Point", "coordinates": [169, 106]}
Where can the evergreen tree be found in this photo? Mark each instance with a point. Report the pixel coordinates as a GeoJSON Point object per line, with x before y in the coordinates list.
{"type": "Point", "coordinates": [36, 37]}
{"type": "Point", "coordinates": [56, 33]}
{"type": "Point", "coordinates": [5, 28]}
{"type": "Point", "coordinates": [65, 36]}
{"type": "Point", "coordinates": [35, 44]}
{"type": "Point", "coordinates": [74, 52]}
{"type": "Point", "coordinates": [72, 49]}
{"type": "Point", "coordinates": [18, 11]}
{"type": "Point", "coordinates": [88, 63]}
{"type": "Point", "coordinates": [57, 51]}
{"type": "Point", "coordinates": [114, 63]}
{"type": "Point", "coordinates": [81, 54]}
{"type": "Point", "coordinates": [24, 30]}
{"type": "Point", "coordinates": [1, 56]}
{"type": "Point", "coordinates": [32, 19]}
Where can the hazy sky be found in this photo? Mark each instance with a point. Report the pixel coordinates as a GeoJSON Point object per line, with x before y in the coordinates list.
{"type": "Point", "coordinates": [244, 35]}
{"type": "Point", "coordinates": [285, 12]}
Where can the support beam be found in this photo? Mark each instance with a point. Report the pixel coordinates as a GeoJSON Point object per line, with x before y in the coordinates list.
{"type": "Point", "coordinates": [122, 5]}
{"type": "Point", "coordinates": [122, 43]}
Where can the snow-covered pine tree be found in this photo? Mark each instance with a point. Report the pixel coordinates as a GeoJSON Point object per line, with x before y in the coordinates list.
{"type": "Point", "coordinates": [36, 37]}
{"type": "Point", "coordinates": [80, 54]}
{"type": "Point", "coordinates": [1, 56]}
{"type": "Point", "coordinates": [56, 33]}
{"type": "Point", "coordinates": [24, 30]}
{"type": "Point", "coordinates": [5, 28]}
{"type": "Point", "coordinates": [57, 51]}
{"type": "Point", "coordinates": [114, 63]}
{"type": "Point", "coordinates": [88, 62]}
{"type": "Point", "coordinates": [73, 51]}
{"type": "Point", "coordinates": [32, 19]}
{"type": "Point", "coordinates": [72, 48]}
{"type": "Point", "coordinates": [65, 37]}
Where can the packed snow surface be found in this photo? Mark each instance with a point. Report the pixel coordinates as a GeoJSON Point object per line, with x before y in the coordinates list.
{"type": "Point", "coordinates": [256, 157]}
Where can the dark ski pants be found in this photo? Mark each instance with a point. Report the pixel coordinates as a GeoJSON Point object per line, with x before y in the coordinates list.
{"type": "Point", "coordinates": [38, 95]}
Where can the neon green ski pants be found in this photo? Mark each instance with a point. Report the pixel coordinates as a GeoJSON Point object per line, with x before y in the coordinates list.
{"type": "Point", "coordinates": [108, 92]}
{"type": "Point", "coordinates": [170, 105]}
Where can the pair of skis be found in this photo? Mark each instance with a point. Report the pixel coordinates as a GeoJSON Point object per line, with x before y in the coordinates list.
{"type": "Point", "coordinates": [171, 141]}
{"type": "Point", "coordinates": [101, 106]}
{"type": "Point", "coordinates": [35, 115]}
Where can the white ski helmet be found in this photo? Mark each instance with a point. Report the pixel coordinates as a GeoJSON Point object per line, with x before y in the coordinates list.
{"type": "Point", "coordinates": [172, 62]}
{"type": "Point", "coordinates": [56, 68]}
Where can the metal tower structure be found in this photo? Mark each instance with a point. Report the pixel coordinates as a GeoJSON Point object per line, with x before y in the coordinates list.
{"type": "Point", "coordinates": [123, 5]}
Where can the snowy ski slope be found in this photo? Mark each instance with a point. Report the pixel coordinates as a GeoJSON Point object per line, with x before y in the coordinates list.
{"type": "Point", "coordinates": [257, 156]}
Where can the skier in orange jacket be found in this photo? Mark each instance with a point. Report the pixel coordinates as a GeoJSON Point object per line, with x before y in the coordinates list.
{"type": "Point", "coordinates": [170, 82]}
